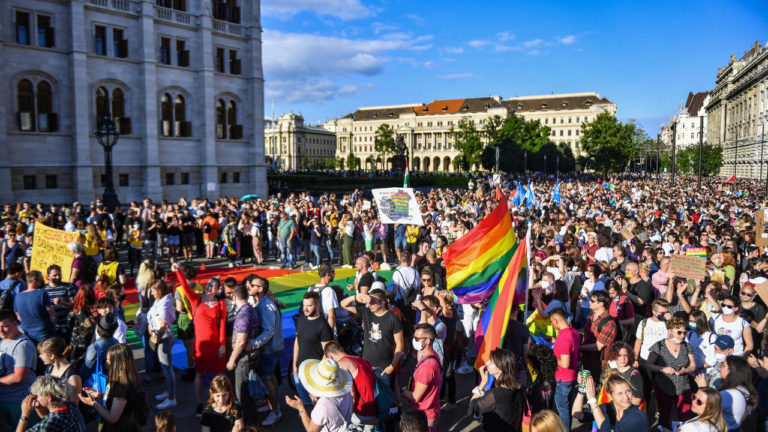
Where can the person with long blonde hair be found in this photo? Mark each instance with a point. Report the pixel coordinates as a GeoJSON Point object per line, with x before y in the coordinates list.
{"type": "Point", "coordinates": [707, 405]}
{"type": "Point", "coordinates": [92, 242]}
{"type": "Point", "coordinates": [120, 409]}
{"type": "Point", "coordinates": [546, 421]}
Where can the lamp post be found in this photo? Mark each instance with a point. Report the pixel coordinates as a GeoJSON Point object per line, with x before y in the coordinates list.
{"type": "Point", "coordinates": [701, 146]}
{"type": "Point", "coordinates": [107, 136]}
{"type": "Point", "coordinates": [557, 166]}
{"type": "Point", "coordinates": [525, 163]}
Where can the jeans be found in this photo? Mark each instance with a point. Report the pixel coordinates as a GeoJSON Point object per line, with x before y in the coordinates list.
{"type": "Point", "coordinates": [389, 379]}
{"type": "Point", "coordinates": [329, 245]}
{"type": "Point", "coordinates": [242, 370]}
{"type": "Point", "coordinates": [316, 253]}
{"type": "Point", "coordinates": [285, 252]}
{"type": "Point", "coordinates": [563, 392]}
{"type": "Point", "coordinates": [164, 349]}
{"type": "Point", "coordinates": [149, 356]}
{"type": "Point", "coordinates": [301, 391]}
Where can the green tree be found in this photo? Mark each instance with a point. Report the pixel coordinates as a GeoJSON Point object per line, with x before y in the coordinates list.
{"type": "Point", "coordinates": [384, 140]}
{"type": "Point", "coordinates": [609, 143]}
{"type": "Point", "coordinates": [514, 138]}
{"type": "Point", "coordinates": [467, 140]}
{"type": "Point", "coordinates": [338, 162]}
{"type": "Point", "coordinates": [492, 129]}
{"type": "Point", "coordinates": [351, 161]}
{"type": "Point", "coordinates": [687, 160]}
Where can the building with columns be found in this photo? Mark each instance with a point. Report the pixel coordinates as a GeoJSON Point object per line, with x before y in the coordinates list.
{"type": "Point", "coordinates": [738, 113]}
{"type": "Point", "coordinates": [291, 144]}
{"type": "Point", "coordinates": [426, 128]}
{"type": "Point", "coordinates": [182, 80]}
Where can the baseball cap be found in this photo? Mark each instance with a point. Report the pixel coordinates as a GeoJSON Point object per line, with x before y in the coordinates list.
{"type": "Point", "coordinates": [378, 286]}
{"type": "Point", "coordinates": [724, 342]}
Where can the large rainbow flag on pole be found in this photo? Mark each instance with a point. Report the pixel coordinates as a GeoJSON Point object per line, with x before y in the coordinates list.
{"type": "Point", "coordinates": [489, 263]}
{"type": "Point", "coordinates": [475, 262]}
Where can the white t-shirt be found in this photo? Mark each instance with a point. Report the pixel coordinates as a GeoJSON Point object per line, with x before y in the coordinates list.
{"type": "Point", "coordinates": [604, 255]}
{"type": "Point", "coordinates": [734, 407]}
{"type": "Point", "coordinates": [587, 288]}
{"type": "Point", "coordinates": [328, 412]}
{"type": "Point", "coordinates": [733, 329]}
{"type": "Point", "coordinates": [697, 426]}
{"type": "Point", "coordinates": [703, 347]}
{"type": "Point", "coordinates": [652, 333]}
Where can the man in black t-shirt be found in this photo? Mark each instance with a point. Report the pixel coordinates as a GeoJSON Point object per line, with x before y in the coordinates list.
{"type": "Point", "coordinates": [312, 333]}
{"type": "Point", "coordinates": [364, 277]}
{"type": "Point", "coordinates": [639, 292]}
{"type": "Point", "coordinates": [188, 233]}
{"type": "Point", "coordinates": [382, 332]}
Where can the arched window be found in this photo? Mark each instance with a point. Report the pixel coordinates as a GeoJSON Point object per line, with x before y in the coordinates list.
{"type": "Point", "coordinates": [166, 112]}
{"type": "Point", "coordinates": [46, 119]}
{"type": "Point", "coordinates": [102, 104]}
{"type": "Point", "coordinates": [122, 123]}
{"type": "Point", "coordinates": [235, 131]}
{"type": "Point", "coordinates": [221, 120]}
{"type": "Point", "coordinates": [26, 100]}
{"type": "Point", "coordinates": [181, 127]}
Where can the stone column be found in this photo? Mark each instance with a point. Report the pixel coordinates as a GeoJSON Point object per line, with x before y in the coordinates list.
{"type": "Point", "coordinates": [149, 121]}
{"type": "Point", "coordinates": [6, 192]}
{"type": "Point", "coordinates": [257, 168]}
{"type": "Point", "coordinates": [83, 120]}
{"type": "Point", "coordinates": [204, 98]}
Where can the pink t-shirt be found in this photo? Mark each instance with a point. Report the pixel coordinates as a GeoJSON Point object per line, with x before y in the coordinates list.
{"type": "Point", "coordinates": [567, 343]}
{"type": "Point", "coordinates": [428, 373]}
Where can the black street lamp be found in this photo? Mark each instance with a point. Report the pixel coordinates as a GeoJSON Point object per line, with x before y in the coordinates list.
{"type": "Point", "coordinates": [107, 136]}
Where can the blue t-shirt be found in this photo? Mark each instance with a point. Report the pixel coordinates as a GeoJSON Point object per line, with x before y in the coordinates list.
{"type": "Point", "coordinates": [32, 307]}
{"type": "Point", "coordinates": [633, 420]}
{"type": "Point", "coordinates": [400, 231]}
{"type": "Point", "coordinates": [314, 239]}
{"type": "Point", "coordinates": [557, 304]}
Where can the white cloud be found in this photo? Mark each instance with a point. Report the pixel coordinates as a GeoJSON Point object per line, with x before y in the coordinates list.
{"type": "Point", "coordinates": [505, 48]}
{"type": "Point", "coordinates": [378, 27]}
{"type": "Point", "coordinates": [306, 67]}
{"type": "Point", "coordinates": [505, 36]}
{"type": "Point", "coordinates": [453, 50]}
{"type": "Point", "coordinates": [343, 9]}
{"type": "Point", "coordinates": [478, 43]}
{"type": "Point", "coordinates": [312, 91]}
{"type": "Point", "coordinates": [416, 19]}
{"type": "Point", "coordinates": [533, 43]}
{"type": "Point", "coordinates": [457, 76]}
{"type": "Point", "coordinates": [567, 40]}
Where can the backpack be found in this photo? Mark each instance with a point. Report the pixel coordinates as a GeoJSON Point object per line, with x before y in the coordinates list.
{"type": "Point", "coordinates": [409, 290]}
{"type": "Point", "coordinates": [6, 300]}
{"type": "Point", "coordinates": [91, 268]}
{"type": "Point", "coordinates": [206, 228]}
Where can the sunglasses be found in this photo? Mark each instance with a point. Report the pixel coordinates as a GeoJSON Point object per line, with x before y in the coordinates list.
{"type": "Point", "coordinates": [696, 400]}
{"type": "Point", "coordinates": [679, 332]}
{"type": "Point", "coordinates": [426, 279]}
{"type": "Point", "coordinates": [746, 294]}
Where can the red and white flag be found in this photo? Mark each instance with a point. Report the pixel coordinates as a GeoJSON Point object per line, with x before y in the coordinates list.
{"type": "Point", "coordinates": [731, 179]}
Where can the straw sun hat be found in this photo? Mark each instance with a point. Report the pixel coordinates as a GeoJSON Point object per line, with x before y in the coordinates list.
{"type": "Point", "coordinates": [324, 378]}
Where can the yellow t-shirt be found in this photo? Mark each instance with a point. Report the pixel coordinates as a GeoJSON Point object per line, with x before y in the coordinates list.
{"type": "Point", "coordinates": [109, 271]}
{"type": "Point", "coordinates": [135, 236]}
{"type": "Point", "coordinates": [412, 234]}
{"type": "Point", "coordinates": [91, 245]}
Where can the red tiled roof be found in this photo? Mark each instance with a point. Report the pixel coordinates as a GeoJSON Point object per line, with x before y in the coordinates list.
{"type": "Point", "coordinates": [695, 102]}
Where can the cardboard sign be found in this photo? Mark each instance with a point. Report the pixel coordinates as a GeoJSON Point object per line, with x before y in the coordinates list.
{"type": "Point", "coordinates": [761, 236]}
{"type": "Point", "coordinates": [762, 291]}
{"type": "Point", "coordinates": [51, 248]}
{"type": "Point", "coordinates": [689, 267]}
{"type": "Point", "coordinates": [627, 234]}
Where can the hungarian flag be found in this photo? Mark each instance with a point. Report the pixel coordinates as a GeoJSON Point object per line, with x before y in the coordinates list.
{"type": "Point", "coordinates": [406, 178]}
{"type": "Point", "coordinates": [731, 179]}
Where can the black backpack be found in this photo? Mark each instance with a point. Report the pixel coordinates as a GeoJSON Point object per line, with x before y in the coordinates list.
{"type": "Point", "coordinates": [6, 300]}
{"type": "Point", "coordinates": [206, 228]}
{"type": "Point", "coordinates": [91, 268]}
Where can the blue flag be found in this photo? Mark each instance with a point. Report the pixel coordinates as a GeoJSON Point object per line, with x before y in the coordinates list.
{"type": "Point", "coordinates": [531, 196]}
{"type": "Point", "coordinates": [519, 197]}
{"type": "Point", "coordinates": [556, 193]}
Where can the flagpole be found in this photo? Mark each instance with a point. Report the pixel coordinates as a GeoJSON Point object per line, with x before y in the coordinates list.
{"type": "Point", "coordinates": [529, 280]}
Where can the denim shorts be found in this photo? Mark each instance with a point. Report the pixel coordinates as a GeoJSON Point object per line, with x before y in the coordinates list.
{"type": "Point", "coordinates": [268, 363]}
{"type": "Point", "coordinates": [400, 243]}
{"type": "Point", "coordinates": [173, 240]}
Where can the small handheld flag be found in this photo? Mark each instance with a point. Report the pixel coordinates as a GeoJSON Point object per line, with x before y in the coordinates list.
{"type": "Point", "coordinates": [556, 193]}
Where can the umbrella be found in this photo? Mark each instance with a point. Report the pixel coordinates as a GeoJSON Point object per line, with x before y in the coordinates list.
{"type": "Point", "coordinates": [249, 197]}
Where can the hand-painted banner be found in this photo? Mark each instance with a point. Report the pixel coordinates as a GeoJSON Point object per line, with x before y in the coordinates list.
{"type": "Point", "coordinates": [51, 248]}
{"type": "Point", "coordinates": [397, 205]}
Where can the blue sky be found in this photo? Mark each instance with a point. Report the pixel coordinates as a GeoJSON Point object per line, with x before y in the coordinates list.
{"type": "Point", "coordinates": [325, 58]}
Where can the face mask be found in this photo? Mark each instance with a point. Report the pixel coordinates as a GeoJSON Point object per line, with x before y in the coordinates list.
{"type": "Point", "coordinates": [612, 364]}
{"type": "Point", "coordinates": [692, 326]}
{"type": "Point", "coordinates": [727, 310]}
{"type": "Point", "coordinates": [417, 345]}
{"type": "Point", "coordinates": [661, 318]}
{"type": "Point", "coordinates": [720, 357]}
{"type": "Point", "coordinates": [546, 285]}
{"type": "Point", "coordinates": [676, 341]}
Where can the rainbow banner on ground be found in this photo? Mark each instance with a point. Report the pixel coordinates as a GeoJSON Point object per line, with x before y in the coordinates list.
{"type": "Point", "coordinates": [511, 291]}
{"type": "Point", "coordinates": [476, 262]}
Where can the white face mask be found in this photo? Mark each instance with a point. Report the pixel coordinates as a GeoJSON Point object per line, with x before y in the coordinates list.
{"type": "Point", "coordinates": [677, 341]}
{"type": "Point", "coordinates": [612, 364]}
{"type": "Point", "coordinates": [727, 310]}
{"type": "Point", "coordinates": [720, 357]}
{"type": "Point", "coordinates": [417, 345]}
{"type": "Point", "coordinates": [546, 286]}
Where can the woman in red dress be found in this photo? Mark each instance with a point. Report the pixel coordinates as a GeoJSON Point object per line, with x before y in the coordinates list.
{"type": "Point", "coordinates": [210, 318]}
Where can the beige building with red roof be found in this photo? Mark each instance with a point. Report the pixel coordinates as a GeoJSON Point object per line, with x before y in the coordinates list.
{"type": "Point", "coordinates": [426, 127]}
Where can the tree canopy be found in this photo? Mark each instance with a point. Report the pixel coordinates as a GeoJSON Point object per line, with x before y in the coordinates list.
{"type": "Point", "coordinates": [514, 137]}
{"type": "Point", "coordinates": [608, 143]}
{"type": "Point", "coordinates": [384, 140]}
{"type": "Point", "coordinates": [687, 160]}
{"type": "Point", "coordinates": [467, 140]}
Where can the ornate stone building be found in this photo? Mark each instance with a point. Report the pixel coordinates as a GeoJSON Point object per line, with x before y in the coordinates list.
{"type": "Point", "coordinates": [290, 144]}
{"type": "Point", "coordinates": [687, 123]}
{"type": "Point", "coordinates": [426, 127]}
{"type": "Point", "coordinates": [182, 80]}
{"type": "Point", "coordinates": [738, 113]}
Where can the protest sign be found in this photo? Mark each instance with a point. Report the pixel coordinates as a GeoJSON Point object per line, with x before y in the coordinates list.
{"type": "Point", "coordinates": [689, 267]}
{"type": "Point", "coordinates": [397, 205]}
{"type": "Point", "coordinates": [698, 251]}
{"type": "Point", "coordinates": [762, 291]}
{"type": "Point", "coordinates": [762, 231]}
{"type": "Point", "coordinates": [627, 234]}
{"type": "Point", "coordinates": [50, 248]}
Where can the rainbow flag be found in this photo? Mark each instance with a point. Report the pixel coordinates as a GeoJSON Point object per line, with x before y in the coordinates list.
{"type": "Point", "coordinates": [510, 291]}
{"type": "Point", "coordinates": [476, 262]}
{"type": "Point", "coordinates": [698, 252]}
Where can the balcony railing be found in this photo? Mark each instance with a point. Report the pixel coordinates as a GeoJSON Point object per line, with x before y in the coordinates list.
{"type": "Point", "coordinates": [226, 27]}
{"type": "Point", "coordinates": [171, 15]}
{"type": "Point", "coordinates": [120, 5]}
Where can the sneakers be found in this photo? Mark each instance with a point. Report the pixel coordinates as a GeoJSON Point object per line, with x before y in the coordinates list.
{"type": "Point", "coordinates": [464, 369]}
{"type": "Point", "coordinates": [162, 396]}
{"type": "Point", "coordinates": [199, 410]}
{"type": "Point", "coordinates": [272, 418]}
{"type": "Point", "coordinates": [231, 265]}
{"type": "Point", "coordinates": [168, 403]}
{"type": "Point", "coordinates": [264, 408]}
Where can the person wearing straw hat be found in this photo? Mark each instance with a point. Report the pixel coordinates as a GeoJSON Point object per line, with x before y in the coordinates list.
{"type": "Point", "coordinates": [328, 386]}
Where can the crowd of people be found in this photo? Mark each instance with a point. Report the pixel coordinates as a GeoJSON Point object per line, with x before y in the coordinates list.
{"type": "Point", "coordinates": [609, 336]}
